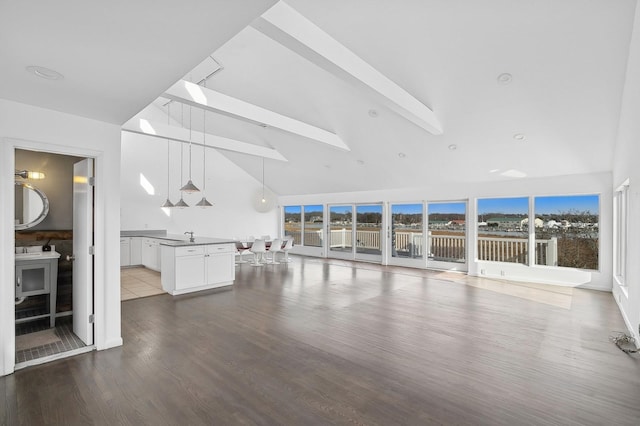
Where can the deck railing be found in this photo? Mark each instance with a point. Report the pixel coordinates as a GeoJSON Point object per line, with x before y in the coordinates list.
{"type": "Point", "coordinates": [440, 247]}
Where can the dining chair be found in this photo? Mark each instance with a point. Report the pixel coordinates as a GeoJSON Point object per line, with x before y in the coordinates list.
{"type": "Point", "coordinates": [287, 246]}
{"type": "Point", "coordinates": [258, 248]}
{"type": "Point", "coordinates": [274, 249]}
{"type": "Point", "coordinates": [241, 248]}
{"type": "Point", "coordinates": [266, 237]}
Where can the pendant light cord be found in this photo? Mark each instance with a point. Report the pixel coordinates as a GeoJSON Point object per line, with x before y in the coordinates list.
{"type": "Point", "coordinates": [181, 145]}
{"type": "Point", "coordinates": [190, 114]}
{"type": "Point", "coordinates": [204, 148]}
{"type": "Point", "coordinates": [168, 152]}
{"type": "Point", "coordinates": [263, 178]}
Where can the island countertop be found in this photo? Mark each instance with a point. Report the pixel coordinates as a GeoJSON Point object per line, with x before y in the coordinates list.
{"type": "Point", "coordinates": [177, 241]}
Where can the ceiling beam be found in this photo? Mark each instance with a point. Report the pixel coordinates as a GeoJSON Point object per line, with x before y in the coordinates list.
{"type": "Point", "coordinates": [292, 30]}
{"type": "Point", "coordinates": [201, 97]}
{"type": "Point", "coordinates": [180, 134]}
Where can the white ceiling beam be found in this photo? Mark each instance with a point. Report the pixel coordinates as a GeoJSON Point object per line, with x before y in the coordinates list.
{"type": "Point", "coordinates": [180, 134]}
{"type": "Point", "coordinates": [292, 30]}
{"type": "Point", "coordinates": [202, 97]}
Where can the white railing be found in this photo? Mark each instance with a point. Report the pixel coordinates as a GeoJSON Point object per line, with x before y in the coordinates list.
{"type": "Point", "coordinates": [441, 247]}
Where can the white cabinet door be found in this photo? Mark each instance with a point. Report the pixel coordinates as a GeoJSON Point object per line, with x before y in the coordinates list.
{"type": "Point", "coordinates": [151, 253]}
{"type": "Point", "coordinates": [125, 252]}
{"type": "Point", "coordinates": [220, 267]}
{"type": "Point", "coordinates": [189, 271]}
{"type": "Point", "coordinates": [136, 251]}
{"type": "Point", "coordinates": [147, 253]}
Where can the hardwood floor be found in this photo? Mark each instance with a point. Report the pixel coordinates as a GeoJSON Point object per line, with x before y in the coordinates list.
{"type": "Point", "coordinates": [332, 342]}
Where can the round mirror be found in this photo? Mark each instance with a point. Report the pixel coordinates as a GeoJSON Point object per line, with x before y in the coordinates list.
{"type": "Point", "coordinates": [31, 206]}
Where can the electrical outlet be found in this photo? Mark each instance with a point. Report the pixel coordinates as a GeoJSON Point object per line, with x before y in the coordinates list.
{"type": "Point", "coordinates": [502, 273]}
{"type": "Point", "coordinates": [483, 272]}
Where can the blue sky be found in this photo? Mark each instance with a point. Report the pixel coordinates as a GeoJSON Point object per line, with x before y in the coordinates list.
{"type": "Point", "coordinates": [458, 208]}
{"type": "Point", "coordinates": [563, 204]}
{"type": "Point", "coordinates": [503, 205]}
{"type": "Point", "coordinates": [543, 205]}
{"type": "Point", "coordinates": [406, 209]}
{"type": "Point", "coordinates": [369, 209]}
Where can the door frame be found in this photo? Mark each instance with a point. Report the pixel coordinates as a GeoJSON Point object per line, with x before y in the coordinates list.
{"type": "Point", "coordinates": [449, 266]}
{"type": "Point", "coordinates": [399, 261]}
{"type": "Point", "coordinates": [345, 255]}
{"type": "Point", "coordinates": [7, 238]}
{"type": "Point", "coordinates": [353, 254]}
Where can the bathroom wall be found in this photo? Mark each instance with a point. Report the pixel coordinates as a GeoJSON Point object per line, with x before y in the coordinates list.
{"type": "Point", "coordinates": [57, 185]}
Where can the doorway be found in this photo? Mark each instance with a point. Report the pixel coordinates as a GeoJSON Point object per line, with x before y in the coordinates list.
{"type": "Point", "coordinates": [359, 239]}
{"type": "Point", "coordinates": [54, 268]}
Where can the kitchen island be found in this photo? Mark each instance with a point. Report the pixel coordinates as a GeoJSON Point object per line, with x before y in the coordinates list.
{"type": "Point", "coordinates": [201, 264]}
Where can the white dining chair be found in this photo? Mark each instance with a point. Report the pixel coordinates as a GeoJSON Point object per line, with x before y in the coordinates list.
{"type": "Point", "coordinates": [266, 237]}
{"type": "Point", "coordinates": [287, 246]}
{"type": "Point", "coordinates": [274, 249]}
{"type": "Point", "coordinates": [241, 248]}
{"type": "Point", "coordinates": [258, 248]}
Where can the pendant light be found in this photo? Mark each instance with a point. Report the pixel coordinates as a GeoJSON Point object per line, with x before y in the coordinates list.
{"type": "Point", "coordinates": [181, 204]}
{"type": "Point", "coordinates": [189, 187]}
{"type": "Point", "coordinates": [168, 202]}
{"type": "Point", "coordinates": [204, 202]}
{"type": "Point", "coordinates": [263, 200]}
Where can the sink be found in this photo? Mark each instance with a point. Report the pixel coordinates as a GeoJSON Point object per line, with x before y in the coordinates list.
{"type": "Point", "coordinates": [38, 255]}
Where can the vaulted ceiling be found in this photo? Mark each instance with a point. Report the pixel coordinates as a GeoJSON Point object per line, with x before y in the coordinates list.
{"type": "Point", "coordinates": [392, 94]}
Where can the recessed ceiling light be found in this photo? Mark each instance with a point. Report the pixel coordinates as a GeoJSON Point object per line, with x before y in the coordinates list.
{"type": "Point", "coordinates": [373, 113]}
{"type": "Point", "coordinates": [494, 170]}
{"type": "Point", "coordinates": [505, 78]}
{"type": "Point", "coordinates": [453, 147]}
{"type": "Point", "coordinates": [361, 162]}
{"type": "Point", "coordinates": [519, 137]}
{"type": "Point", "coordinates": [402, 154]}
{"type": "Point", "coordinates": [43, 72]}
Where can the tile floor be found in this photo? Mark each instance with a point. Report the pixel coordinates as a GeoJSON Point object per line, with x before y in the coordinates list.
{"type": "Point", "coordinates": [139, 282]}
{"type": "Point", "coordinates": [64, 330]}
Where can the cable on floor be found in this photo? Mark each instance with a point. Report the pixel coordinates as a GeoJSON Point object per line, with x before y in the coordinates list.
{"type": "Point", "coordinates": [623, 341]}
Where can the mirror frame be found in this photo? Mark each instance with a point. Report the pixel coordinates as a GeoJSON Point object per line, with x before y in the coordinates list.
{"type": "Point", "coordinates": [45, 207]}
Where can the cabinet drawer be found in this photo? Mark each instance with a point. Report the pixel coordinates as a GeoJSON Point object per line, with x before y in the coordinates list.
{"type": "Point", "coordinates": [189, 251]}
{"type": "Point", "coordinates": [221, 248]}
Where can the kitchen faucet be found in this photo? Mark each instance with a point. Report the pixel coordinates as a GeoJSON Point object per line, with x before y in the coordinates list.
{"type": "Point", "coordinates": [191, 239]}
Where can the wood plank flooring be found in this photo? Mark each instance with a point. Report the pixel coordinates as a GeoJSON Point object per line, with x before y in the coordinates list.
{"type": "Point", "coordinates": [332, 342]}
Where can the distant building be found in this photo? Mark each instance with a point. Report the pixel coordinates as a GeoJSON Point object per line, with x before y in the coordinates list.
{"type": "Point", "coordinates": [538, 223]}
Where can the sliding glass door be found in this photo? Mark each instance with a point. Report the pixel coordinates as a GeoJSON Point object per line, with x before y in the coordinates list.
{"type": "Point", "coordinates": [368, 232]}
{"type": "Point", "coordinates": [447, 235]}
{"type": "Point", "coordinates": [340, 231]}
{"type": "Point", "coordinates": [359, 239]}
{"type": "Point", "coordinates": [407, 234]}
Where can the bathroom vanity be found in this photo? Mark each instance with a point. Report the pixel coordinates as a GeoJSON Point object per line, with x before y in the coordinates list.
{"type": "Point", "coordinates": [37, 274]}
{"type": "Point", "coordinates": [202, 264]}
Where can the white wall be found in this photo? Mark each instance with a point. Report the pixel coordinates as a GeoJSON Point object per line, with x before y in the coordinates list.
{"type": "Point", "coordinates": [596, 183]}
{"type": "Point", "coordinates": [625, 165]}
{"type": "Point", "coordinates": [28, 127]}
{"type": "Point", "coordinates": [229, 188]}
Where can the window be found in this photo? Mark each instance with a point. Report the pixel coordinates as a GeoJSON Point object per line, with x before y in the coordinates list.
{"type": "Point", "coordinates": [313, 221]}
{"type": "Point", "coordinates": [407, 235]}
{"type": "Point", "coordinates": [620, 227]}
{"type": "Point", "coordinates": [447, 232]}
{"type": "Point", "coordinates": [566, 230]}
{"type": "Point", "coordinates": [293, 223]}
{"type": "Point", "coordinates": [503, 229]}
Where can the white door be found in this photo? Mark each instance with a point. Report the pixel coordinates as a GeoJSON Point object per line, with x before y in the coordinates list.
{"type": "Point", "coordinates": [82, 242]}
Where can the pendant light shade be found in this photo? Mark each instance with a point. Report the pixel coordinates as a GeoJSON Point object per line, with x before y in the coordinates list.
{"type": "Point", "coordinates": [181, 203]}
{"type": "Point", "coordinates": [168, 203]}
{"type": "Point", "coordinates": [189, 187]}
